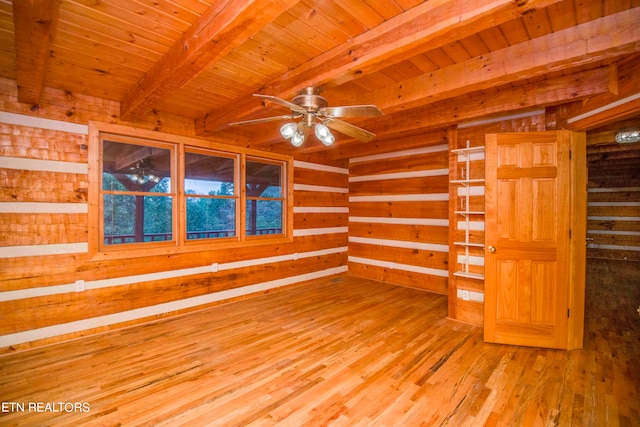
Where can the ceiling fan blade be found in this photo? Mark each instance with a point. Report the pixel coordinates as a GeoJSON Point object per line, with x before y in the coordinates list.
{"type": "Point", "coordinates": [351, 111]}
{"type": "Point", "coordinates": [274, 99]}
{"type": "Point", "coordinates": [349, 129]}
{"type": "Point", "coordinates": [264, 120]}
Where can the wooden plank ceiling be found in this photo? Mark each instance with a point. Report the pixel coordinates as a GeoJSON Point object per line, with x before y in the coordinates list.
{"type": "Point", "coordinates": [426, 65]}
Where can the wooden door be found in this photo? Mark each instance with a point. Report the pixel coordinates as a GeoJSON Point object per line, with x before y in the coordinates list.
{"type": "Point", "coordinates": [528, 256]}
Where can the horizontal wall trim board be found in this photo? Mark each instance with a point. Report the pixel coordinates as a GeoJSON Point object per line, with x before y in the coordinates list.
{"type": "Point", "coordinates": [618, 233]}
{"type": "Point", "coordinates": [613, 204]}
{"type": "Point", "coordinates": [472, 190]}
{"type": "Point", "coordinates": [319, 167]}
{"type": "Point", "coordinates": [489, 121]}
{"type": "Point", "coordinates": [400, 221]}
{"type": "Point", "coordinates": [400, 244]}
{"type": "Point", "coordinates": [473, 225]}
{"type": "Point", "coordinates": [399, 266]}
{"type": "Point", "coordinates": [38, 122]}
{"type": "Point", "coordinates": [83, 247]}
{"type": "Point", "coordinates": [20, 163]}
{"type": "Point", "coordinates": [403, 153]}
{"type": "Point", "coordinates": [159, 309]}
{"type": "Point", "coordinates": [613, 218]}
{"type": "Point", "coordinates": [473, 295]}
{"type": "Point", "coordinates": [613, 190]}
{"type": "Point", "coordinates": [475, 156]}
{"type": "Point", "coordinates": [319, 231]}
{"type": "Point", "coordinates": [162, 275]}
{"type": "Point", "coordinates": [399, 175]}
{"type": "Point", "coordinates": [433, 197]}
{"type": "Point", "coordinates": [604, 108]}
{"type": "Point", "coordinates": [320, 209]}
{"type": "Point", "coordinates": [320, 188]}
{"type": "Point", "coordinates": [43, 207]}
{"type": "Point", "coordinates": [473, 260]}
{"type": "Point", "coordinates": [43, 250]}
{"type": "Point", "coordinates": [614, 247]}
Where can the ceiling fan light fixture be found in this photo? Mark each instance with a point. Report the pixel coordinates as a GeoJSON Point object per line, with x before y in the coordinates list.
{"type": "Point", "coordinates": [324, 134]}
{"type": "Point", "coordinates": [328, 141]}
{"type": "Point", "coordinates": [628, 136]}
{"type": "Point", "coordinates": [298, 138]}
{"type": "Point", "coordinates": [288, 130]}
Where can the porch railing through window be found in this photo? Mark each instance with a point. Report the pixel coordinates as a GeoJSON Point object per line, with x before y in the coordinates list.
{"type": "Point", "coordinates": [118, 239]}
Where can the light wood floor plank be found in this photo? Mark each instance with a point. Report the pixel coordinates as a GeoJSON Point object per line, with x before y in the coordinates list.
{"type": "Point", "coordinates": [339, 352]}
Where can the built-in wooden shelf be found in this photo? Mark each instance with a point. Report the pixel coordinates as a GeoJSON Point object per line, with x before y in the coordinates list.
{"type": "Point", "coordinates": [462, 203]}
{"type": "Point", "coordinates": [469, 212]}
{"type": "Point", "coordinates": [469, 275]}
{"type": "Point", "coordinates": [468, 150]}
{"type": "Point", "coordinates": [474, 245]}
{"type": "Point", "coordinates": [467, 181]}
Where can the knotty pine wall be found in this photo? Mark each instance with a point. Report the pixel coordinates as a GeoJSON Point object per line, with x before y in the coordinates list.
{"type": "Point", "coordinates": [43, 229]}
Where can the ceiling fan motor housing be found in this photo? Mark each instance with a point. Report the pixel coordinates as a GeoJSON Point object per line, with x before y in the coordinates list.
{"type": "Point", "coordinates": [311, 101]}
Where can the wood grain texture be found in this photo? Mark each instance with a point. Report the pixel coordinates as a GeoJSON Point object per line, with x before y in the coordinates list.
{"type": "Point", "coordinates": [34, 23]}
{"type": "Point", "coordinates": [342, 351]}
{"type": "Point", "coordinates": [613, 209]}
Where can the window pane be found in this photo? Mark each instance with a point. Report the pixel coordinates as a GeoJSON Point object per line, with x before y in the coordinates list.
{"type": "Point", "coordinates": [210, 218]}
{"type": "Point", "coordinates": [131, 167]}
{"type": "Point", "coordinates": [121, 213]}
{"type": "Point", "coordinates": [264, 217]}
{"type": "Point", "coordinates": [208, 175]}
{"type": "Point", "coordinates": [264, 179]}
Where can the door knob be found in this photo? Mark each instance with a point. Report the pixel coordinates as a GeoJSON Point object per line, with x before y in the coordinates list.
{"type": "Point", "coordinates": [492, 249]}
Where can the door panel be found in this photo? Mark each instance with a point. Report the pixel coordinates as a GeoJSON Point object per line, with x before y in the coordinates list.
{"type": "Point", "coordinates": [527, 222]}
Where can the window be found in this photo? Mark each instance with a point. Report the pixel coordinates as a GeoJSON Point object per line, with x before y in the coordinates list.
{"type": "Point", "coordinates": [137, 194]}
{"type": "Point", "coordinates": [265, 201]}
{"type": "Point", "coordinates": [210, 193]}
{"type": "Point", "coordinates": [152, 193]}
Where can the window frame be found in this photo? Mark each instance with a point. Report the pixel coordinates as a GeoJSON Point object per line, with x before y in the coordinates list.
{"type": "Point", "coordinates": [98, 131]}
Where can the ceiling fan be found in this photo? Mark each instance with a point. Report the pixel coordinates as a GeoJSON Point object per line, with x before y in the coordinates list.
{"type": "Point", "coordinates": [315, 113]}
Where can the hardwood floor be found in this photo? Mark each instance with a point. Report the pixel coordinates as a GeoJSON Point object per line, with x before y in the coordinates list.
{"type": "Point", "coordinates": [345, 351]}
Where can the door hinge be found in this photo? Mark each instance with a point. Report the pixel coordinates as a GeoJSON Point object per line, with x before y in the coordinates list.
{"type": "Point", "coordinates": [570, 233]}
{"type": "Point", "coordinates": [568, 313]}
{"type": "Point", "coordinates": [570, 154]}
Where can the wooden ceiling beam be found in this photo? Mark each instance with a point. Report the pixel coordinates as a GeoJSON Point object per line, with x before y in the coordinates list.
{"type": "Point", "coordinates": [457, 110]}
{"type": "Point", "coordinates": [620, 103]}
{"type": "Point", "coordinates": [602, 39]}
{"type": "Point", "coordinates": [34, 25]}
{"type": "Point", "coordinates": [424, 27]}
{"type": "Point", "coordinates": [223, 27]}
{"type": "Point", "coordinates": [558, 90]}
